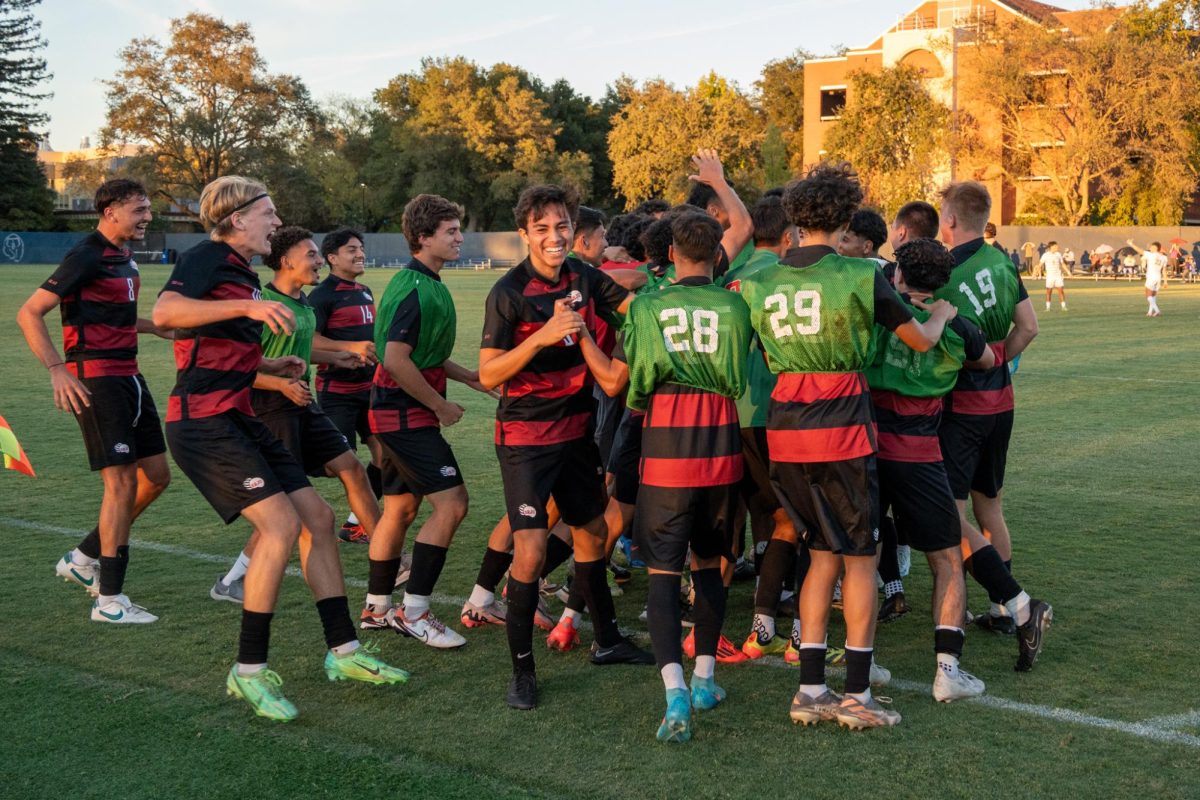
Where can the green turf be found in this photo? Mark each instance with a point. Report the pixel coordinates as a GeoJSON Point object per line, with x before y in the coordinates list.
{"type": "Point", "coordinates": [1100, 500]}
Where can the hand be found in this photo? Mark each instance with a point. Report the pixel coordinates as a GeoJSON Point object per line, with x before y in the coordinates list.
{"type": "Point", "coordinates": [347, 360]}
{"type": "Point", "coordinates": [943, 310]}
{"type": "Point", "coordinates": [298, 392]}
{"type": "Point", "coordinates": [69, 393]}
{"type": "Point", "coordinates": [276, 316]}
{"type": "Point", "coordinates": [365, 351]}
{"type": "Point", "coordinates": [449, 413]}
{"type": "Point", "coordinates": [617, 253]}
{"type": "Point", "coordinates": [564, 323]}
{"type": "Point", "coordinates": [284, 366]}
{"type": "Point", "coordinates": [708, 168]}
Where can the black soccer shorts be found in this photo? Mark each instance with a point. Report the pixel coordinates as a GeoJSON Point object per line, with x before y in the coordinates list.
{"type": "Point", "coordinates": [835, 503]}
{"type": "Point", "coordinates": [918, 493]}
{"type": "Point", "coordinates": [975, 449]}
{"type": "Point", "coordinates": [625, 460]}
{"type": "Point", "coordinates": [348, 412]}
{"type": "Point", "coordinates": [755, 487]}
{"type": "Point", "coordinates": [121, 425]}
{"type": "Point", "coordinates": [670, 520]}
{"type": "Point", "coordinates": [419, 462]}
{"type": "Point", "coordinates": [570, 472]}
{"type": "Point", "coordinates": [310, 436]}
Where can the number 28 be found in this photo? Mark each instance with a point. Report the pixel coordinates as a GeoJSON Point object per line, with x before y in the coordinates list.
{"type": "Point", "coordinates": [704, 330]}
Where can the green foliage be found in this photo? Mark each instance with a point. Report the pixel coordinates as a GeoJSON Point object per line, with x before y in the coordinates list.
{"type": "Point", "coordinates": [781, 97]}
{"type": "Point", "coordinates": [26, 203]}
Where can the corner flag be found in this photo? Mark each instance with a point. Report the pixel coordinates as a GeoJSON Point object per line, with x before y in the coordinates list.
{"type": "Point", "coordinates": [14, 455]}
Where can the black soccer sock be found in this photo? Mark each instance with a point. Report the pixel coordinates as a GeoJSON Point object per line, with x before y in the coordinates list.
{"type": "Point", "coordinates": [889, 565]}
{"type": "Point", "coordinates": [575, 596]}
{"type": "Point", "coordinates": [1008, 566]}
{"type": "Point", "coordinates": [381, 577]}
{"type": "Point", "coordinates": [557, 553]}
{"type": "Point", "coordinates": [335, 619]}
{"type": "Point", "coordinates": [255, 637]}
{"type": "Point", "coordinates": [988, 571]}
{"type": "Point", "coordinates": [858, 670]}
{"type": "Point", "coordinates": [518, 623]}
{"type": "Point", "coordinates": [112, 572]}
{"type": "Point", "coordinates": [592, 579]}
{"type": "Point", "coordinates": [708, 612]}
{"type": "Point", "coordinates": [949, 641]}
{"type": "Point", "coordinates": [812, 665]}
{"type": "Point", "coordinates": [375, 478]}
{"type": "Point", "coordinates": [778, 561]}
{"type": "Point", "coordinates": [492, 569]}
{"type": "Point", "coordinates": [662, 618]}
{"type": "Point", "coordinates": [90, 544]}
{"type": "Point", "coordinates": [427, 563]}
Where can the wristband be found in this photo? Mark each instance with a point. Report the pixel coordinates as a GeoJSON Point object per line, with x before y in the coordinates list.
{"type": "Point", "coordinates": [52, 366]}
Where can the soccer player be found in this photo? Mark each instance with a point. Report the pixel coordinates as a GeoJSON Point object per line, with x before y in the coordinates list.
{"type": "Point", "coordinates": [722, 203]}
{"type": "Point", "coordinates": [213, 302]}
{"type": "Point", "coordinates": [1155, 264]}
{"type": "Point", "coordinates": [684, 358]}
{"type": "Point", "coordinates": [978, 418]}
{"type": "Point", "coordinates": [1052, 264]}
{"type": "Point", "coordinates": [285, 405]}
{"type": "Point", "coordinates": [864, 236]}
{"type": "Point", "coordinates": [530, 347]}
{"type": "Point", "coordinates": [97, 379]}
{"type": "Point", "coordinates": [906, 391]}
{"type": "Point", "coordinates": [815, 313]}
{"type": "Point", "coordinates": [345, 313]}
{"type": "Point", "coordinates": [415, 332]}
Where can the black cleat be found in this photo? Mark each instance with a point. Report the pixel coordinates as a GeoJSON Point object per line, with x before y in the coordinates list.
{"type": "Point", "coordinates": [620, 575]}
{"type": "Point", "coordinates": [743, 570]}
{"type": "Point", "coordinates": [623, 652]}
{"type": "Point", "coordinates": [522, 691]}
{"type": "Point", "coordinates": [894, 608]}
{"type": "Point", "coordinates": [1006, 626]}
{"type": "Point", "coordinates": [1030, 635]}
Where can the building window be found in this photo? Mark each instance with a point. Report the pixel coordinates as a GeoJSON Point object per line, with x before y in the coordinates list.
{"type": "Point", "coordinates": [833, 100]}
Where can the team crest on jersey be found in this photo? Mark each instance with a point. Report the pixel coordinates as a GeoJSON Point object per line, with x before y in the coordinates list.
{"type": "Point", "coordinates": [526, 510]}
{"type": "Point", "coordinates": [875, 535]}
{"type": "Point", "coordinates": [253, 483]}
{"type": "Point", "coordinates": [257, 294]}
{"type": "Point", "coordinates": [576, 298]}
{"type": "Point", "coordinates": [121, 447]}
{"type": "Point", "coordinates": [133, 265]}
{"type": "Point", "coordinates": [448, 472]}
{"type": "Point", "coordinates": [368, 296]}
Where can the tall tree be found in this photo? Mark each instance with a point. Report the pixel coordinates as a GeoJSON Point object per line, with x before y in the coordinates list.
{"type": "Point", "coordinates": [893, 132]}
{"type": "Point", "coordinates": [204, 105]}
{"type": "Point", "coordinates": [781, 97]}
{"type": "Point", "coordinates": [26, 203]}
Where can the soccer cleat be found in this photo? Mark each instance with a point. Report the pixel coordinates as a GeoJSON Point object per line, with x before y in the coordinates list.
{"type": "Point", "coordinates": [362, 665]}
{"type": "Point", "coordinates": [428, 629]}
{"type": "Point", "coordinates": [405, 570]}
{"type": "Point", "coordinates": [262, 691]}
{"type": "Point", "coordinates": [353, 533]}
{"type": "Point", "coordinates": [121, 611]}
{"type": "Point", "coordinates": [564, 637]}
{"type": "Point", "coordinates": [857, 715]}
{"type": "Point", "coordinates": [835, 656]}
{"type": "Point", "coordinates": [706, 694]}
{"type": "Point", "coordinates": [623, 652]}
{"type": "Point", "coordinates": [522, 691]}
{"type": "Point", "coordinates": [1005, 625]}
{"type": "Point", "coordinates": [373, 619]}
{"type": "Point", "coordinates": [545, 588]}
{"type": "Point", "coordinates": [86, 575]}
{"type": "Point", "coordinates": [676, 725]}
{"type": "Point", "coordinates": [880, 676]}
{"type": "Point", "coordinates": [893, 608]}
{"type": "Point", "coordinates": [791, 656]}
{"type": "Point", "coordinates": [743, 570]}
{"type": "Point", "coordinates": [807, 710]}
{"type": "Point", "coordinates": [541, 615]}
{"type": "Point", "coordinates": [960, 685]}
{"type": "Point", "coordinates": [620, 574]}
{"type": "Point", "coordinates": [1030, 635]}
{"type": "Point", "coordinates": [727, 651]}
{"type": "Point", "coordinates": [233, 593]}
{"type": "Point", "coordinates": [473, 616]}
{"type": "Point", "coordinates": [759, 644]}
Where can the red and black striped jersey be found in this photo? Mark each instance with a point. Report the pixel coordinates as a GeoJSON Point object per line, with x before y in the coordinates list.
{"type": "Point", "coordinates": [98, 284]}
{"type": "Point", "coordinates": [345, 313]}
{"type": "Point", "coordinates": [549, 400]}
{"type": "Point", "coordinates": [216, 363]}
{"type": "Point", "coordinates": [690, 438]}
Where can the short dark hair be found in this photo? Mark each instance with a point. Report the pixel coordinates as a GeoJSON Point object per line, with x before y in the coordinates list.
{"type": "Point", "coordinates": [825, 199]}
{"type": "Point", "coordinates": [871, 226]}
{"type": "Point", "coordinates": [990, 229]}
{"type": "Point", "coordinates": [656, 241]}
{"type": "Point", "coordinates": [424, 214]}
{"type": "Point", "coordinates": [617, 226]}
{"type": "Point", "coordinates": [1051, 243]}
{"type": "Point", "coordinates": [338, 239]}
{"type": "Point", "coordinates": [696, 237]}
{"type": "Point", "coordinates": [925, 263]}
{"type": "Point", "coordinates": [117, 190]}
{"type": "Point", "coordinates": [774, 191]}
{"type": "Point", "coordinates": [283, 240]}
{"type": "Point", "coordinates": [587, 219]}
{"type": "Point", "coordinates": [631, 238]}
{"type": "Point", "coordinates": [702, 196]}
{"type": "Point", "coordinates": [770, 220]}
{"type": "Point", "coordinates": [920, 218]}
{"type": "Point", "coordinates": [655, 205]}
{"type": "Point", "coordinates": [534, 200]}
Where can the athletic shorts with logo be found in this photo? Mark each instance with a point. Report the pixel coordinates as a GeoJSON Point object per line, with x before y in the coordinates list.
{"type": "Point", "coordinates": [348, 412]}
{"type": "Point", "coordinates": [918, 494]}
{"type": "Point", "coordinates": [570, 472]}
{"type": "Point", "coordinates": [310, 436]}
{"type": "Point", "coordinates": [836, 503]}
{"type": "Point", "coordinates": [669, 520]}
{"type": "Point", "coordinates": [121, 425]}
{"type": "Point", "coordinates": [975, 449]}
{"type": "Point", "coordinates": [233, 460]}
{"type": "Point", "coordinates": [418, 461]}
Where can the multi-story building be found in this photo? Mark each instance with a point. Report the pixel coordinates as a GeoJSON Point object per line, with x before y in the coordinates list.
{"type": "Point", "coordinates": [73, 174]}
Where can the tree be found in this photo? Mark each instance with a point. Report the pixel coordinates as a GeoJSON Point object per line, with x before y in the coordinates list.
{"type": "Point", "coordinates": [781, 97]}
{"type": "Point", "coordinates": [894, 133]}
{"type": "Point", "coordinates": [205, 106]}
{"type": "Point", "coordinates": [26, 203]}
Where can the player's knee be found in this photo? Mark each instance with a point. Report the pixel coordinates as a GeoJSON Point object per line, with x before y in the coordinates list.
{"type": "Point", "coordinates": [121, 482]}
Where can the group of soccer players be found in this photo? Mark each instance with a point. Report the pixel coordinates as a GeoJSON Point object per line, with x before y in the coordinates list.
{"type": "Point", "coordinates": [715, 364]}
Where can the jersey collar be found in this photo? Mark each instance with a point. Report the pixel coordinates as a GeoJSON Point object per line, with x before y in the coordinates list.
{"type": "Point", "coordinates": [416, 265]}
{"type": "Point", "coordinates": [807, 255]}
{"type": "Point", "coordinates": [694, 280]}
{"type": "Point", "coordinates": [966, 250]}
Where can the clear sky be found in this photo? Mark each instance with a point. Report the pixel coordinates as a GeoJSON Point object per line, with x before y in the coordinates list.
{"type": "Point", "coordinates": [352, 47]}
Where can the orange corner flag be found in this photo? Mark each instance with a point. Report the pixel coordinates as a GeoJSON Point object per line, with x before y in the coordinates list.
{"type": "Point", "coordinates": [14, 455]}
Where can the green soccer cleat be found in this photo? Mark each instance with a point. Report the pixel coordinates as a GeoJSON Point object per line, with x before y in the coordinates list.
{"type": "Point", "coordinates": [706, 695]}
{"type": "Point", "coordinates": [362, 665]}
{"type": "Point", "coordinates": [261, 691]}
{"type": "Point", "coordinates": [677, 722]}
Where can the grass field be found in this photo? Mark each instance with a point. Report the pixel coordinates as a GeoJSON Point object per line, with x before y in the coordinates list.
{"type": "Point", "coordinates": [1101, 502]}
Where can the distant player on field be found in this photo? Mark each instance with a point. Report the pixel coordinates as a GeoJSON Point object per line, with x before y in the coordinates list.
{"type": "Point", "coordinates": [1053, 265]}
{"type": "Point", "coordinates": [1154, 261]}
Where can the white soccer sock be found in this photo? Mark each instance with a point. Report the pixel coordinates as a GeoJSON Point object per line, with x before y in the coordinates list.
{"type": "Point", "coordinates": [706, 666]}
{"type": "Point", "coordinates": [105, 599]}
{"type": "Point", "coordinates": [250, 669]}
{"type": "Point", "coordinates": [79, 559]}
{"type": "Point", "coordinates": [346, 649]}
{"type": "Point", "coordinates": [481, 597]}
{"type": "Point", "coordinates": [569, 615]}
{"type": "Point", "coordinates": [415, 605]}
{"type": "Point", "coordinates": [351, 519]}
{"type": "Point", "coordinates": [1018, 607]}
{"type": "Point", "coordinates": [379, 600]}
{"type": "Point", "coordinates": [766, 622]}
{"type": "Point", "coordinates": [1047, 305]}
{"type": "Point", "coordinates": [947, 664]}
{"type": "Point", "coordinates": [999, 610]}
{"type": "Point", "coordinates": [862, 697]}
{"type": "Point", "coordinates": [1064, 305]}
{"type": "Point", "coordinates": [1154, 303]}
{"type": "Point", "coordinates": [672, 675]}
{"type": "Point", "coordinates": [238, 570]}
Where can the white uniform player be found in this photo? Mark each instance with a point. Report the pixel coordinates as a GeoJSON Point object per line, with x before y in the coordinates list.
{"type": "Point", "coordinates": [1154, 261]}
{"type": "Point", "coordinates": [1052, 265]}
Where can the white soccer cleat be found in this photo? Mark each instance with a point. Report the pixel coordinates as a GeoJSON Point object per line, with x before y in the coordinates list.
{"type": "Point", "coordinates": [429, 629]}
{"type": "Point", "coordinates": [121, 611]}
{"type": "Point", "coordinates": [959, 686]}
{"type": "Point", "coordinates": [86, 575]}
{"type": "Point", "coordinates": [880, 676]}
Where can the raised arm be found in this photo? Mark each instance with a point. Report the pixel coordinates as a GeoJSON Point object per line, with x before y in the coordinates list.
{"type": "Point", "coordinates": [709, 171]}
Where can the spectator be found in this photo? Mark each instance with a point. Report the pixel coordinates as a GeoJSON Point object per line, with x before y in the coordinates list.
{"type": "Point", "coordinates": [1085, 262]}
{"type": "Point", "coordinates": [1069, 260]}
{"type": "Point", "coordinates": [1028, 251]}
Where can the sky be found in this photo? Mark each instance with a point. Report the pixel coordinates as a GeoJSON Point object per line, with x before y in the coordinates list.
{"type": "Point", "coordinates": [353, 47]}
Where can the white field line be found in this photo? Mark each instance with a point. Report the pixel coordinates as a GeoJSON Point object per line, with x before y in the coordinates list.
{"type": "Point", "coordinates": [1035, 373]}
{"type": "Point", "coordinates": [1158, 729]}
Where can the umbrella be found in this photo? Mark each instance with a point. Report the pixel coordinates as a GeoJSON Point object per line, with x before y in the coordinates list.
{"type": "Point", "coordinates": [1102, 249]}
{"type": "Point", "coordinates": [1180, 242]}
